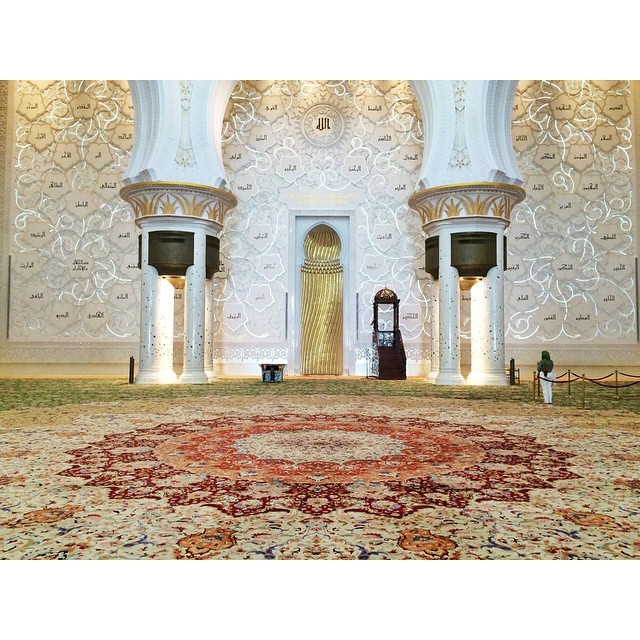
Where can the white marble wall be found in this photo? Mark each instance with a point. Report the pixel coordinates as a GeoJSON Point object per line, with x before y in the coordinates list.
{"type": "Point", "coordinates": [73, 242]}
{"type": "Point", "coordinates": [280, 165]}
{"type": "Point", "coordinates": [572, 243]}
{"type": "Point", "coordinates": [572, 248]}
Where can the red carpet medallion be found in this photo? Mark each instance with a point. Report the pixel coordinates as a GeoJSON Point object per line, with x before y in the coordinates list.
{"type": "Point", "coordinates": [312, 486]}
{"type": "Point", "coordinates": [317, 464]}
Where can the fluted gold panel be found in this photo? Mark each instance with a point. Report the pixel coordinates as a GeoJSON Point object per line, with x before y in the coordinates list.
{"type": "Point", "coordinates": [321, 318]}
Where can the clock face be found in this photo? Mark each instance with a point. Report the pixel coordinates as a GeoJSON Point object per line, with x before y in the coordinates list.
{"type": "Point", "coordinates": [322, 125]}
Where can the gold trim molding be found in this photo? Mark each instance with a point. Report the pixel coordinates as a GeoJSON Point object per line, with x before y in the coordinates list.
{"type": "Point", "coordinates": [178, 199]}
{"type": "Point", "coordinates": [488, 199]}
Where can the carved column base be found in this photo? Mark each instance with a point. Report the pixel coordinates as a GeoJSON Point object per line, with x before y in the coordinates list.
{"type": "Point", "coordinates": [432, 376]}
{"type": "Point", "coordinates": [156, 377]}
{"type": "Point", "coordinates": [194, 377]}
{"type": "Point", "coordinates": [487, 377]}
{"type": "Point", "coordinates": [449, 377]}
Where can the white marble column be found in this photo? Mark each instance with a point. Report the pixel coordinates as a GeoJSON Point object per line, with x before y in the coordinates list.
{"type": "Point", "coordinates": [156, 325]}
{"type": "Point", "coordinates": [195, 313]}
{"type": "Point", "coordinates": [435, 333]}
{"type": "Point", "coordinates": [487, 323]}
{"type": "Point", "coordinates": [208, 330]}
{"type": "Point", "coordinates": [469, 208]}
{"type": "Point", "coordinates": [176, 181]}
{"type": "Point", "coordinates": [480, 340]}
{"type": "Point", "coordinates": [495, 287]}
{"type": "Point", "coordinates": [449, 314]}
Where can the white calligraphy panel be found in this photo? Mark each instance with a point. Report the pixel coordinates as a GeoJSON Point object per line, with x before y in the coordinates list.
{"type": "Point", "coordinates": [233, 315]}
{"type": "Point", "coordinates": [523, 298]}
{"type": "Point", "coordinates": [565, 266]}
{"type": "Point", "coordinates": [269, 266]}
{"type": "Point", "coordinates": [618, 267]}
{"type": "Point", "coordinates": [261, 138]}
{"type": "Point", "coordinates": [38, 234]}
{"type": "Point", "coordinates": [236, 157]}
{"type": "Point", "coordinates": [411, 317]}
{"type": "Point", "coordinates": [355, 168]}
{"type": "Point", "coordinates": [260, 297]}
{"type": "Point", "coordinates": [581, 318]}
{"type": "Point", "coordinates": [260, 236]}
{"type": "Point", "coordinates": [384, 236]}
{"type": "Point", "coordinates": [549, 319]}
{"type": "Point", "coordinates": [245, 185]}
{"type": "Point", "coordinates": [384, 139]}
{"type": "Point", "coordinates": [290, 168]}
{"type": "Point", "coordinates": [40, 136]}
{"type": "Point", "coordinates": [271, 108]}
{"type": "Point", "coordinates": [374, 108]}
{"type": "Point", "coordinates": [63, 315]}
{"type": "Point", "coordinates": [400, 186]}
{"type": "Point", "coordinates": [374, 267]}
{"type": "Point", "coordinates": [55, 185]}
{"type": "Point", "coordinates": [123, 295]}
{"type": "Point", "coordinates": [410, 158]}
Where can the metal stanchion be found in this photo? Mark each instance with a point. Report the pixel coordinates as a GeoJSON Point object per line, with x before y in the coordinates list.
{"type": "Point", "coordinates": [534, 386]}
{"type": "Point", "coordinates": [569, 381]}
{"type": "Point", "coordinates": [617, 394]}
{"type": "Point", "coordinates": [583, 385]}
{"type": "Point", "coordinates": [131, 367]}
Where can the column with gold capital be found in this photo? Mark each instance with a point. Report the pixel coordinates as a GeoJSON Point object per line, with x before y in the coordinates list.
{"type": "Point", "coordinates": [180, 225]}
{"type": "Point", "coordinates": [465, 225]}
{"type": "Point", "coordinates": [468, 184]}
{"type": "Point", "coordinates": [176, 184]}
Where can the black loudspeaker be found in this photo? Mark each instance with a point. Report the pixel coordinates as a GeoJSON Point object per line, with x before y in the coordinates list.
{"type": "Point", "coordinates": [473, 253]}
{"type": "Point", "coordinates": [213, 256]}
{"type": "Point", "coordinates": [171, 253]}
{"type": "Point", "coordinates": [432, 256]}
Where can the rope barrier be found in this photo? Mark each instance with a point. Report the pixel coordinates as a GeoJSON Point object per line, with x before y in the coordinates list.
{"type": "Point", "coordinates": [603, 378]}
{"type": "Point", "coordinates": [556, 381]}
{"type": "Point", "coordinates": [612, 386]}
{"type": "Point", "coordinates": [617, 385]}
{"type": "Point", "coordinates": [595, 380]}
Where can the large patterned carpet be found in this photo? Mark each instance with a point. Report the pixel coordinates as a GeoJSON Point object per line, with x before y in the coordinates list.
{"type": "Point", "coordinates": [319, 477]}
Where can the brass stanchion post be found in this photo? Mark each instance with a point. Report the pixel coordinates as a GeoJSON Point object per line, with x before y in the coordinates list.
{"type": "Point", "coordinates": [569, 372]}
{"type": "Point", "coordinates": [583, 385]}
{"type": "Point", "coordinates": [617, 394]}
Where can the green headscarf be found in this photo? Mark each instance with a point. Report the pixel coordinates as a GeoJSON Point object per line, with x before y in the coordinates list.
{"type": "Point", "coordinates": [545, 355]}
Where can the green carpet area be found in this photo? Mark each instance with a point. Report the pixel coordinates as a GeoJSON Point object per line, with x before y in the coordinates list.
{"type": "Point", "coordinates": [23, 393]}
